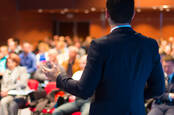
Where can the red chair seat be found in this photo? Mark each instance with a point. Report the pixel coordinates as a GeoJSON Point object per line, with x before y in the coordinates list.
{"type": "Point", "coordinates": [33, 84]}
{"type": "Point", "coordinates": [50, 86]}
{"type": "Point", "coordinates": [77, 113]}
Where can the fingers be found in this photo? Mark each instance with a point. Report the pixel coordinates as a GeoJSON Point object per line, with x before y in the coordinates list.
{"type": "Point", "coordinates": [45, 69]}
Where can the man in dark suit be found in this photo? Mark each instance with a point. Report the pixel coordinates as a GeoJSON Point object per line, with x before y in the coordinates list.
{"type": "Point", "coordinates": [118, 67]}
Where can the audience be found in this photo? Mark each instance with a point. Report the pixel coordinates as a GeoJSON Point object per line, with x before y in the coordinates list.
{"type": "Point", "coordinates": [15, 77]}
{"type": "Point", "coordinates": [52, 58]}
{"type": "Point", "coordinates": [81, 51]}
{"type": "Point", "coordinates": [79, 104]}
{"type": "Point", "coordinates": [62, 50]}
{"type": "Point", "coordinates": [164, 105]}
{"type": "Point", "coordinates": [69, 54]}
{"type": "Point", "coordinates": [42, 55]}
{"type": "Point", "coordinates": [3, 59]}
{"type": "Point", "coordinates": [28, 59]}
{"type": "Point", "coordinates": [72, 64]}
{"type": "Point", "coordinates": [13, 46]}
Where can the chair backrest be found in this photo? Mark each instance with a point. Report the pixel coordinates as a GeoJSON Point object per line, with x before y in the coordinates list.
{"type": "Point", "coordinates": [50, 86]}
{"type": "Point", "coordinates": [77, 113]}
{"type": "Point", "coordinates": [33, 84]}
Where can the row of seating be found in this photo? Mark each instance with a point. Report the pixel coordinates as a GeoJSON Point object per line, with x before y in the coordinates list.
{"type": "Point", "coordinates": [34, 85]}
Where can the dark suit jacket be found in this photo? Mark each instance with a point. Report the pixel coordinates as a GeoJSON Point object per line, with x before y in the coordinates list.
{"type": "Point", "coordinates": [117, 69]}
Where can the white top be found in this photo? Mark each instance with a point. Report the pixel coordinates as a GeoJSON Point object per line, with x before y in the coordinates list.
{"type": "Point", "coordinates": [77, 75]}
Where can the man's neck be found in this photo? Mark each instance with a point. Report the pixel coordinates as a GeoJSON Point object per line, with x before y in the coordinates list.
{"type": "Point", "coordinates": [118, 24]}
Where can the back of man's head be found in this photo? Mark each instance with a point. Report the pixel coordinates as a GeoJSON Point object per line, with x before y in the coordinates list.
{"type": "Point", "coordinates": [120, 11]}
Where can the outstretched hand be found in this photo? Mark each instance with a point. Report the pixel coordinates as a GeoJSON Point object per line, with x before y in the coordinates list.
{"type": "Point", "coordinates": [51, 73]}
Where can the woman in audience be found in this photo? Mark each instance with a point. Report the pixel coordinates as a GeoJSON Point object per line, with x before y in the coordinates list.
{"type": "Point", "coordinates": [15, 77]}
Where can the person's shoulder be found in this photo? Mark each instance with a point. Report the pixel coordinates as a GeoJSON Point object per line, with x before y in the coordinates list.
{"type": "Point", "coordinates": [146, 38]}
{"type": "Point", "coordinates": [31, 54]}
{"type": "Point", "coordinates": [147, 41]}
{"type": "Point", "coordinates": [21, 54]}
{"type": "Point", "coordinates": [100, 42]}
{"type": "Point", "coordinates": [21, 69]}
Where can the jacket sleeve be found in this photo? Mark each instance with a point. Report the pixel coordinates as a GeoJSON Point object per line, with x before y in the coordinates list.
{"type": "Point", "coordinates": [33, 68]}
{"type": "Point", "coordinates": [155, 83]}
{"type": "Point", "coordinates": [91, 76]}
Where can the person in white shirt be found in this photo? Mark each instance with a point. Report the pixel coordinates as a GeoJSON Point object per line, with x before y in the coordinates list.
{"type": "Point", "coordinates": [79, 104]}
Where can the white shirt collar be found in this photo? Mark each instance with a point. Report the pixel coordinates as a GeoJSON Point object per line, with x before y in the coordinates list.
{"type": "Point", "coordinates": [120, 26]}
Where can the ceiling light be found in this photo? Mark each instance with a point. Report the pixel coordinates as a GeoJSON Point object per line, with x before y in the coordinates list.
{"type": "Point", "coordinates": [138, 10]}
{"type": "Point", "coordinates": [66, 10]}
{"type": "Point", "coordinates": [40, 10]}
{"type": "Point", "coordinates": [62, 12]}
{"type": "Point", "coordinates": [86, 11]}
{"type": "Point", "coordinates": [168, 10]}
{"type": "Point", "coordinates": [165, 6]}
{"type": "Point", "coordinates": [93, 9]}
{"type": "Point", "coordinates": [154, 7]}
{"type": "Point", "coordinates": [161, 9]}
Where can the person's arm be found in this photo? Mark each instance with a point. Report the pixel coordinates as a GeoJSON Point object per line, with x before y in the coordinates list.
{"type": "Point", "coordinates": [90, 77]}
{"type": "Point", "coordinates": [22, 81]}
{"type": "Point", "coordinates": [34, 66]}
{"type": "Point", "coordinates": [156, 82]}
{"type": "Point", "coordinates": [168, 95]}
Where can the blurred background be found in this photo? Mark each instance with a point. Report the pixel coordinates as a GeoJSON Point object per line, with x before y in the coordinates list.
{"type": "Point", "coordinates": [36, 19]}
{"type": "Point", "coordinates": [34, 33]}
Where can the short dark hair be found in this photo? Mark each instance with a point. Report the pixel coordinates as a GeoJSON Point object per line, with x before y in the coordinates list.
{"type": "Point", "coordinates": [120, 11]}
{"type": "Point", "coordinates": [168, 58]}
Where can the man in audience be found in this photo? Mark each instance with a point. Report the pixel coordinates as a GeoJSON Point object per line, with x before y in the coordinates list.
{"type": "Point", "coordinates": [72, 64]}
{"type": "Point", "coordinates": [52, 58]}
{"type": "Point", "coordinates": [81, 51]}
{"type": "Point", "coordinates": [18, 46]}
{"type": "Point", "coordinates": [3, 59]}
{"type": "Point", "coordinates": [61, 46]}
{"type": "Point", "coordinates": [62, 50]}
{"type": "Point", "coordinates": [28, 59]}
{"type": "Point", "coordinates": [164, 105]}
{"type": "Point", "coordinates": [79, 104]}
{"type": "Point", "coordinates": [12, 47]}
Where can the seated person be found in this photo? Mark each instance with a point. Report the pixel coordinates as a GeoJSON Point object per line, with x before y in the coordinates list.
{"type": "Point", "coordinates": [72, 64]}
{"type": "Point", "coordinates": [52, 58]}
{"type": "Point", "coordinates": [13, 46]}
{"type": "Point", "coordinates": [15, 77]}
{"type": "Point", "coordinates": [28, 59]}
{"type": "Point", "coordinates": [42, 55]}
{"type": "Point", "coordinates": [164, 105]}
{"type": "Point", "coordinates": [79, 104]}
{"type": "Point", "coordinates": [3, 59]}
